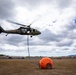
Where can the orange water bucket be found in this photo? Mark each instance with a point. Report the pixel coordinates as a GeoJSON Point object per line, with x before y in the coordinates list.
{"type": "Point", "coordinates": [45, 63]}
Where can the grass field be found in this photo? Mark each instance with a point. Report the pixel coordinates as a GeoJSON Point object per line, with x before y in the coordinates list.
{"type": "Point", "coordinates": [27, 67]}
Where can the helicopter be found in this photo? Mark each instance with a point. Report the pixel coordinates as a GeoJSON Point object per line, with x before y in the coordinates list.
{"type": "Point", "coordinates": [22, 30]}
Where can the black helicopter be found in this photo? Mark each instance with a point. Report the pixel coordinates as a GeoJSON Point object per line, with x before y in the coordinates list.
{"type": "Point", "coordinates": [23, 30]}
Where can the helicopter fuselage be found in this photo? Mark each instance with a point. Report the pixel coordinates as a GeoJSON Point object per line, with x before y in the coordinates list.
{"type": "Point", "coordinates": [23, 31]}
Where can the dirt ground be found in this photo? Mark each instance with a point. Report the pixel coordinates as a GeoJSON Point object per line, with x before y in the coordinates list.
{"type": "Point", "coordinates": [30, 67]}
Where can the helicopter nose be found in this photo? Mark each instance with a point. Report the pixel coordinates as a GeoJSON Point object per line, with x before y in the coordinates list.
{"type": "Point", "coordinates": [39, 32]}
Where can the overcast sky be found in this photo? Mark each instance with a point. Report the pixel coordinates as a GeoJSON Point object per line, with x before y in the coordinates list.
{"type": "Point", "coordinates": [56, 19]}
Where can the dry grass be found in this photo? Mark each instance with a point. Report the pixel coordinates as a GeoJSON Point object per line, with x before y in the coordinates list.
{"type": "Point", "coordinates": [26, 67]}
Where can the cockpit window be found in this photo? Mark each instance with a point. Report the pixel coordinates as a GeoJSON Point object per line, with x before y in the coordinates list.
{"type": "Point", "coordinates": [33, 30]}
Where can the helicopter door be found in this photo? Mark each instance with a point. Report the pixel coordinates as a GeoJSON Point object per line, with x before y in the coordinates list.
{"type": "Point", "coordinates": [24, 30]}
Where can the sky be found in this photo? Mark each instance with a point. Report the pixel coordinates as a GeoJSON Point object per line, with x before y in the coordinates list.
{"type": "Point", "coordinates": [55, 19]}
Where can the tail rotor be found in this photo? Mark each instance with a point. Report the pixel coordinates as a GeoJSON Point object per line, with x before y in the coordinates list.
{"type": "Point", "coordinates": [1, 29]}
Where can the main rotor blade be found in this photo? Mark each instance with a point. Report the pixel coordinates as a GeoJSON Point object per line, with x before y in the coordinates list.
{"type": "Point", "coordinates": [32, 22]}
{"type": "Point", "coordinates": [16, 23]}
